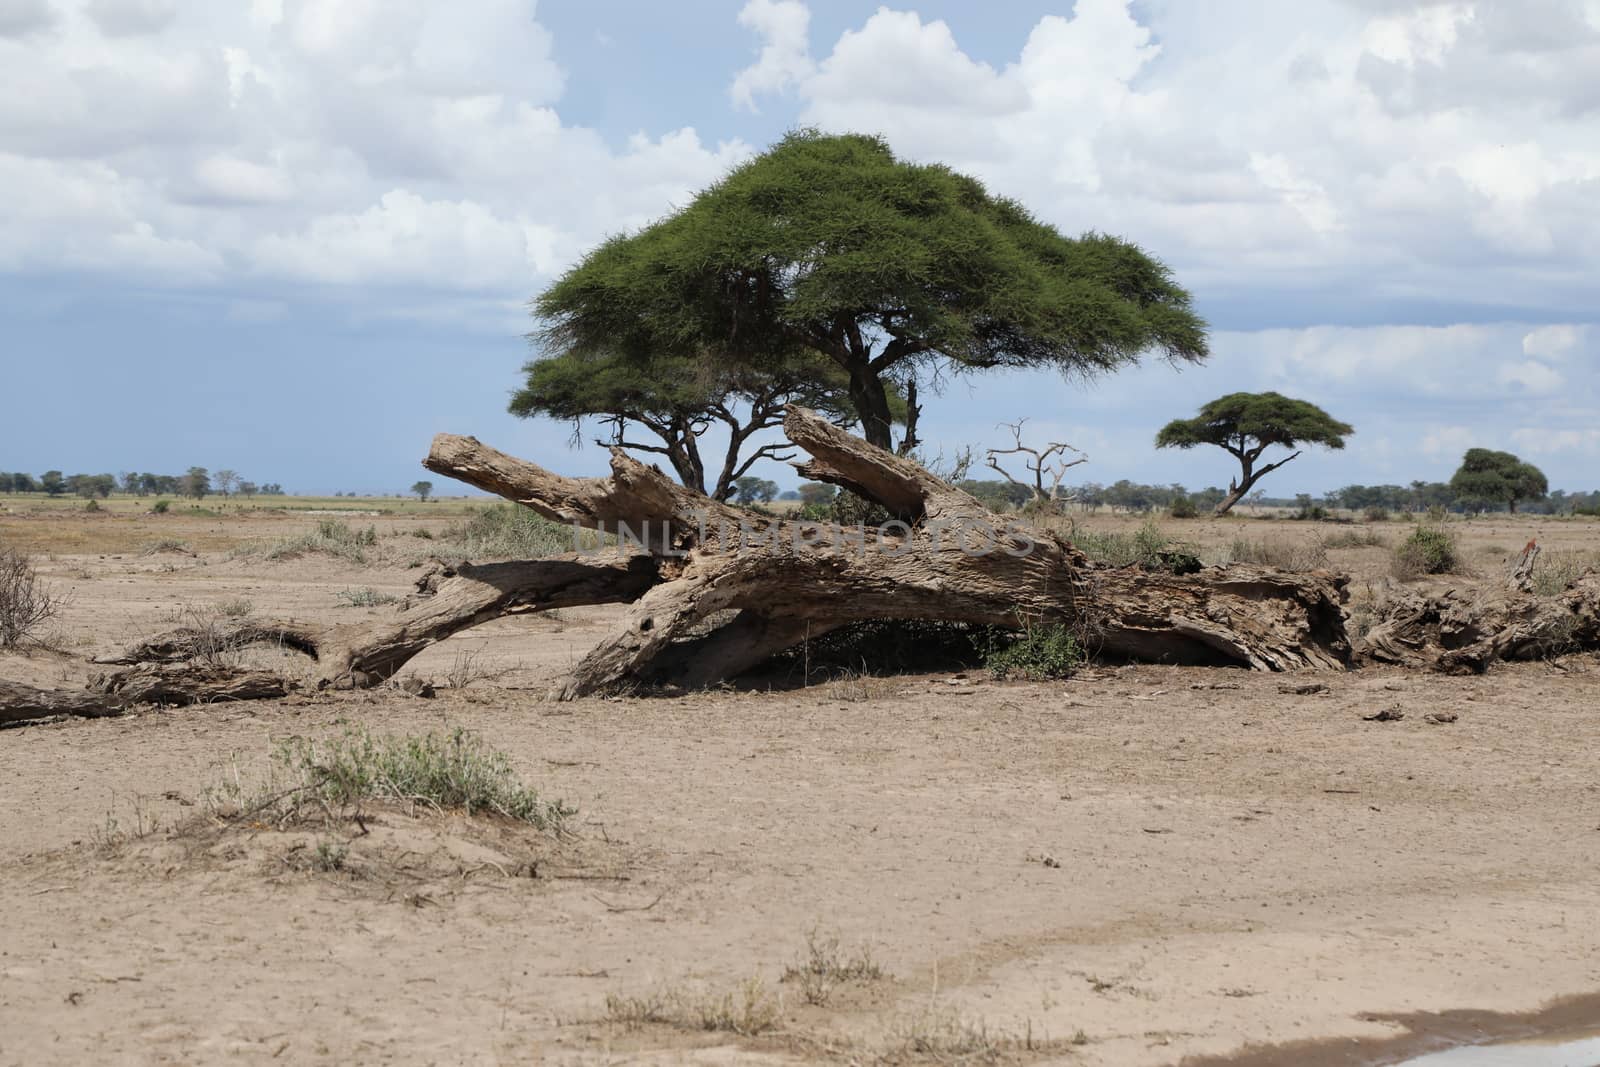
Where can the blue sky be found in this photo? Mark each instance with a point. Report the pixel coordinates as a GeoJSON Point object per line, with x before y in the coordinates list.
{"type": "Point", "coordinates": [295, 239]}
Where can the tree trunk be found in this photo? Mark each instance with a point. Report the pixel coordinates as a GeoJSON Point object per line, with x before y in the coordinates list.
{"type": "Point", "coordinates": [871, 401]}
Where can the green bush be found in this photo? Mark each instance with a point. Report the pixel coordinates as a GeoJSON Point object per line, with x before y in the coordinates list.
{"type": "Point", "coordinates": [161, 507]}
{"type": "Point", "coordinates": [1183, 508]}
{"type": "Point", "coordinates": [1429, 550]}
{"type": "Point", "coordinates": [1376, 514]}
{"type": "Point", "coordinates": [316, 780]}
{"type": "Point", "coordinates": [1037, 653]}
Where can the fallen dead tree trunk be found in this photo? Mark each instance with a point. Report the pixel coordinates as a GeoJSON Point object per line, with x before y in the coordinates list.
{"type": "Point", "coordinates": [714, 590]}
{"type": "Point", "coordinates": [1459, 636]}
{"type": "Point", "coordinates": [22, 703]}
{"type": "Point", "coordinates": [115, 692]}
{"type": "Point", "coordinates": [945, 557]}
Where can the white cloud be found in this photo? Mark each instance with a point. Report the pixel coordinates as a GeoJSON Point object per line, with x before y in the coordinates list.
{"type": "Point", "coordinates": [1448, 440]}
{"type": "Point", "coordinates": [130, 18]}
{"type": "Point", "coordinates": [1553, 342]}
{"type": "Point", "coordinates": [1530, 376]}
{"type": "Point", "coordinates": [785, 58]}
{"type": "Point", "coordinates": [230, 179]}
{"type": "Point", "coordinates": [24, 18]}
{"type": "Point", "coordinates": [1543, 441]}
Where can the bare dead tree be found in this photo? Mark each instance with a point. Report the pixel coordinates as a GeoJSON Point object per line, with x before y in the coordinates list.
{"type": "Point", "coordinates": [1050, 461]}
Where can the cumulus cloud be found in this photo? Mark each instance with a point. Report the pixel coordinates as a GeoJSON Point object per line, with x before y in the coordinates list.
{"type": "Point", "coordinates": [785, 58]}
{"type": "Point", "coordinates": [1401, 151]}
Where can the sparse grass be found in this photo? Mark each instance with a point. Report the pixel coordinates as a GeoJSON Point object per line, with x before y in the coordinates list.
{"type": "Point", "coordinates": [164, 545]}
{"type": "Point", "coordinates": [332, 537]}
{"type": "Point", "coordinates": [1357, 537]}
{"type": "Point", "coordinates": [1429, 550]}
{"type": "Point", "coordinates": [746, 1011]}
{"type": "Point", "coordinates": [214, 643]}
{"type": "Point", "coordinates": [1556, 570]}
{"type": "Point", "coordinates": [506, 531]}
{"type": "Point", "coordinates": [1148, 546]}
{"type": "Point", "coordinates": [943, 1035]}
{"type": "Point", "coordinates": [235, 607]}
{"type": "Point", "coordinates": [330, 779]}
{"type": "Point", "coordinates": [366, 598]}
{"type": "Point", "coordinates": [1038, 653]}
{"type": "Point", "coordinates": [26, 603]}
{"type": "Point", "coordinates": [330, 856]}
{"type": "Point", "coordinates": [825, 966]}
{"type": "Point", "coordinates": [1295, 556]}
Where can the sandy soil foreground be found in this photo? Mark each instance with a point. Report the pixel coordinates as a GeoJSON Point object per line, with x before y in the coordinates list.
{"type": "Point", "coordinates": [1133, 867]}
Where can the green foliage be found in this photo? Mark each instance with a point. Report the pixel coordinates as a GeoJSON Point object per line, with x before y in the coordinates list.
{"type": "Point", "coordinates": [313, 779]}
{"type": "Point", "coordinates": [1036, 653]}
{"type": "Point", "coordinates": [423, 489]}
{"type": "Point", "coordinates": [818, 493]}
{"type": "Point", "coordinates": [1235, 420]}
{"type": "Point", "coordinates": [1498, 477]}
{"type": "Point", "coordinates": [1246, 424]}
{"type": "Point", "coordinates": [1429, 550]}
{"type": "Point", "coordinates": [815, 244]}
{"type": "Point", "coordinates": [752, 490]}
{"type": "Point", "coordinates": [366, 598]}
{"type": "Point", "coordinates": [1183, 508]}
{"type": "Point", "coordinates": [332, 537]}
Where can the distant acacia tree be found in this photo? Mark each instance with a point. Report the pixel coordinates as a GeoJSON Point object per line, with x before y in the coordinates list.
{"type": "Point", "coordinates": [422, 489]}
{"type": "Point", "coordinates": [818, 492]}
{"type": "Point", "coordinates": [248, 489]}
{"type": "Point", "coordinates": [751, 490]}
{"type": "Point", "coordinates": [225, 480]}
{"type": "Point", "coordinates": [891, 271]}
{"type": "Point", "coordinates": [1497, 477]}
{"type": "Point", "coordinates": [1245, 425]}
{"type": "Point", "coordinates": [196, 483]}
{"type": "Point", "coordinates": [53, 482]}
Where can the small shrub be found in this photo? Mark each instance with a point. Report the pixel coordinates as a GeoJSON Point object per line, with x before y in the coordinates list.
{"type": "Point", "coordinates": [26, 603]}
{"type": "Point", "coordinates": [235, 608]}
{"type": "Point", "coordinates": [824, 966]}
{"type": "Point", "coordinates": [330, 856]}
{"type": "Point", "coordinates": [161, 507]}
{"type": "Point", "coordinates": [164, 545]}
{"type": "Point", "coordinates": [422, 533]}
{"type": "Point", "coordinates": [366, 598]}
{"type": "Point", "coordinates": [1040, 653]}
{"type": "Point", "coordinates": [1429, 550]}
{"type": "Point", "coordinates": [1147, 546]}
{"type": "Point", "coordinates": [317, 780]}
{"type": "Point", "coordinates": [93, 505]}
{"type": "Point", "coordinates": [748, 1011]}
{"type": "Point", "coordinates": [1183, 508]}
{"type": "Point", "coordinates": [1376, 514]}
{"type": "Point", "coordinates": [331, 537]}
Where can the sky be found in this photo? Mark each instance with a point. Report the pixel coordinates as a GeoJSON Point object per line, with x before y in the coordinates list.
{"type": "Point", "coordinates": [296, 238]}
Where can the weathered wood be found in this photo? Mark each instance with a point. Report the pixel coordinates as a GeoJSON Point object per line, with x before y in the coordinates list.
{"type": "Point", "coordinates": [185, 684]}
{"type": "Point", "coordinates": [1453, 634]}
{"type": "Point", "coordinates": [948, 558]}
{"type": "Point", "coordinates": [23, 703]}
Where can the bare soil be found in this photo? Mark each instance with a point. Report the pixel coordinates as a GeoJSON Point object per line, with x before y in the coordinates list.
{"type": "Point", "coordinates": [1139, 865]}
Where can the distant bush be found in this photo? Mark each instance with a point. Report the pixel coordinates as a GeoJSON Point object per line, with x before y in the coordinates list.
{"type": "Point", "coordinates": [366, 598]}
{"type": "Point", "coordinates": [1376, 514]}
{"type": "Point", "coordinates": [161, 507]}
{"type": "Point", "coordinates": [1183, 508]}
{"type": "Point", "coordinates": [1592, 510]}
{"type": "Point", "coordinates": [331, 537]}
{"type": "Point", "coordinates": [1429, 550]}
{"type": "Point", "coordinates": [1037, 653]}
{"type": "Point", "coordinates": [1557, 570]}
{"type": "Point", "coordinates": [1354, 538]}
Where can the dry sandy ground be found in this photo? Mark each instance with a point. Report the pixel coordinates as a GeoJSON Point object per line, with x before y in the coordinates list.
{"type": "Point", "coordinates": [1134, 867]}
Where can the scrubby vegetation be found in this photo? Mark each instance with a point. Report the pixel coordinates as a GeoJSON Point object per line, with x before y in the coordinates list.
{"type": "Point", "coordinates": [26, 603]}
{"type": "Point", "coordinates": [1429, 550]}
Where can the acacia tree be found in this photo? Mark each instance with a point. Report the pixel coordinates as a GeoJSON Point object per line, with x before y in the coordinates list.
{"type": "Point", "coordinates": [677, 399]}
{"type": "Point", "coordinates": [1499, 477]}
{"type": "Point", "coordinates": [1245, 425]}
{"type": "Point", "coordinates": [894, 272]}
{"type": "Point", "coordinates": [423, 490]}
